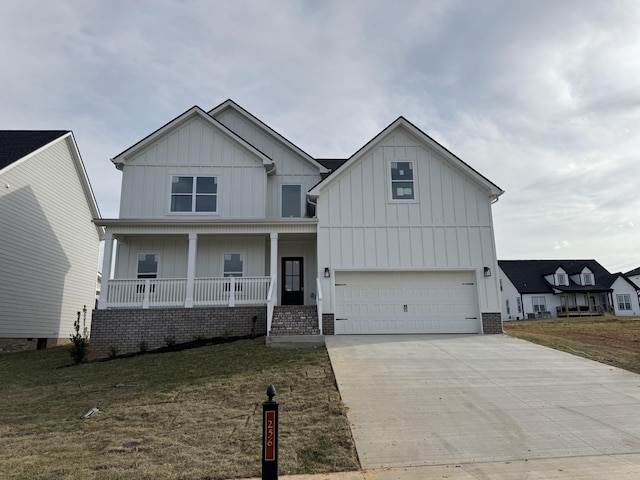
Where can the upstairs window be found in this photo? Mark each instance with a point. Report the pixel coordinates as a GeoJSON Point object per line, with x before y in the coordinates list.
{"type": "Point", "coordinates": [402, 181]}
{"type": "Point", "coordinates": [588, 279]}
{"type": "Point", "coordinates": [519, 302]}
{"type": "Point", "coordinates": [508, 307]}
{"type": "Point", "coordinates": [291, 201]}
{"type": "Point", "coordinates": [562, 279]}
{"type": "Point", "coordinates": [194, 194]}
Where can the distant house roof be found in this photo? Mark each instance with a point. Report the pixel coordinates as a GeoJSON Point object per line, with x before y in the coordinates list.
{"type": "Point", "coordinates": [528, 275]}
{"type": "Point", "coordinates": [16, 144]}
{"type": "Point", "coordinates": [331, 163]}
{"type": "Point", "coordinates": [635, 271]}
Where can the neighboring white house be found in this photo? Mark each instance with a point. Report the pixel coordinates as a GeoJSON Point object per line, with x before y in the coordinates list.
{"type": "Point", "coordinates": [634, 276]}
{"type": "Point", "coordinates": [219, 212]}
{"type": "Point", "coordinates": [558, 288]}
{"type": "Point", "coordinates": [49, 246]}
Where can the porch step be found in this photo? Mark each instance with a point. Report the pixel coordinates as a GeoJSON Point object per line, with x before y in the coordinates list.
{"type": "Point", "coordinates": [294, 341]}
{"type": "Point", "coordinates": [294, 320]}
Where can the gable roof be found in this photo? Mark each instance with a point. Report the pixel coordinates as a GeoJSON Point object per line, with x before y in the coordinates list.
{"type": "Point", "coordinates": [16, 144]}
{"type": "Point", "coordinates": [528, 275]}
{"type": "Point", "coordinates": [402, 122]}
{"type": "Point", "coordinates": [194, 111]}
{"type": "Point", "coordinates": [256, 121]}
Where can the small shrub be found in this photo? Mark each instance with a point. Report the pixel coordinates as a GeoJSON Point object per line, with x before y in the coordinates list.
{"type": "Point", "coordinates": [199, 338]}
{"type": "Point", "coordinates": [79, 344]}
{"type": "Point", "coordinates": [170, 341]}
{"type": "Point", "coordinates": [113, 351]}
{"type": "Point", "coordinates": [143, 346]}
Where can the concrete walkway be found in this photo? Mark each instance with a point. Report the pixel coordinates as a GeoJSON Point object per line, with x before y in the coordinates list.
{"type": "Point", "coordinates": [483, 407]}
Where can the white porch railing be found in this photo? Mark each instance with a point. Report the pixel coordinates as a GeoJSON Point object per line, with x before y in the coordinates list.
{"type": "Point", "coordinates": [171, 292]}
{"type": "Point", "coordinates": [270, 304]}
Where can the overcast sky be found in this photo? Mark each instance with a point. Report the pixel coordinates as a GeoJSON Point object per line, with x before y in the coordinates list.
{"type": "Point", "coordinates": [541, 97]}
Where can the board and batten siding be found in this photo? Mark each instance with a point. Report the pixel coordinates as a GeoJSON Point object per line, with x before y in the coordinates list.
{"type": "Point", "coordinates": [448, 226]}
{"type": "Point", "coordinates": [172, 255]}
{"type": "Point", "coordinates": [194, 148]}
{"type": "Point", "coordinates": [291, 167]}
{"type": "Point", "coordinates": [48, 246]}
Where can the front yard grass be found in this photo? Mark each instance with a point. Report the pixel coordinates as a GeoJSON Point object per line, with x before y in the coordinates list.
{"type": "Point", "coordinates": [193, 414]}
{"type": "Point", "coordinates": [611, 340]}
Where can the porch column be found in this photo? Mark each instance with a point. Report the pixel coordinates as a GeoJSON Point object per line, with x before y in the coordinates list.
{"type": "Point", "coordinates": [274, 266]}
{"type": "Point", "coordinates": [106, 270]}
{"type": "Point", "coordinates": [191, 269]}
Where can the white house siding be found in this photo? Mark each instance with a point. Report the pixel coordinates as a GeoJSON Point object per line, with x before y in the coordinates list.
{"type": "Point", "coordinates": [622, 287]}
{"type": "Point", "coordinates": [48, 246]}
{"type": "Point", "coordinates": [510, 293]}
{"type": "Point", "coordinates": [194, 148]}
{"type": "Point", "coordinates": [172, 254]}
{"type": "Point", "coordinates": [291, 167]}
{"type": "Point", "coordinates": [448, 227]}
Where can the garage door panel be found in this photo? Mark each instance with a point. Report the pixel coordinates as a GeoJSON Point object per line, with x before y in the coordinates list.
{"type": "Point", "coordinates": [406, 302]}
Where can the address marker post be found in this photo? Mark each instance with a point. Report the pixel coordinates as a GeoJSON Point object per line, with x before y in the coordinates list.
{"type": "Point", "coordinates": [270, 436]}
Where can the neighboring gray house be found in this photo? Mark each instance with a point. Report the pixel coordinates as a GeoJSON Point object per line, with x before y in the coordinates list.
{"type": "Point", "coordinates": [49, 246]}
{"type": "Point", "coordinates": [226, 227]}
{"type": "Point", "coordinates": [564, 288]}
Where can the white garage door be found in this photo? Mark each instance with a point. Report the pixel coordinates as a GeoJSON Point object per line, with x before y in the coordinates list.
{"type": "Point", "coordinates": [406, 302]}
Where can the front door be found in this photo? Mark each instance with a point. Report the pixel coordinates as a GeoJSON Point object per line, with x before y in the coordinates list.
{"type": "Point", "coordinates": [292, 281]}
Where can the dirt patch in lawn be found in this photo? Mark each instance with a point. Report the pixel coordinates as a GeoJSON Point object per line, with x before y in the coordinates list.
{"type": "Point", "coordinates": [611, 340]}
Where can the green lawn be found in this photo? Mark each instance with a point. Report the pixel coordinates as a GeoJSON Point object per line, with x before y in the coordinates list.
{"type": "Point", "coordinates": [194, 414]}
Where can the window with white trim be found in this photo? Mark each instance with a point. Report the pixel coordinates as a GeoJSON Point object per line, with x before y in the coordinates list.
{"type": "Point", "coordinates": [147, 265]}
{"type": "Point", "coordinates": [539, 304]}
{"type": "Point", "coordinates": [508, 308]}
{"type": "Point", "coordinates": [624, 301]}
{"type": "Point", "coordinates": [291, 201]}
{"type": "Point", "coordinates": [402, 180]}
{"type": "Point", "coordinates": [194, 194]}
{"type": "Point", "coordinates": [233, 265]}
{"type": "Point", "coordinates": [561, 279]}
{"type": "Point", "coordinates": [588, 279]}
{"type": "Point", "coordinates": [519, 302]}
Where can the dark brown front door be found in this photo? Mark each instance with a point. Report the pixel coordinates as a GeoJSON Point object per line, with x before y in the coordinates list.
{"type": "Point", "coordinates": [292, 281]}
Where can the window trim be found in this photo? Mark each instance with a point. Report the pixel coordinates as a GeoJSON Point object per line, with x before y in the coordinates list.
{"type": "Point", "coordinates": [301, 205]}
{"type": "Point", "coordinates": [242, 257]}
{"type": "Point", "coordinates": [588, 275]}
{"type": "Point", "coordinates": [414, 181]}
{"type": "Point", "coordinates": [538, 304]}
{"type": "Point", "coordinates": [623, 305]}
{"type": "Point", "coordinates": [194, 194]}
{"type": "Point", "coordinates": [560, 275]}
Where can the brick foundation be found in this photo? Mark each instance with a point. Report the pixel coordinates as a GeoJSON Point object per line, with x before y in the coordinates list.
{"type": "Point", "coordinates": [22, 344]}
{"type": "Point", "coordinates": [492, 322]}
{"type": "Point", "coordinates": [124, 329]}
{"type": "Point", "coordinates": [328, 324]}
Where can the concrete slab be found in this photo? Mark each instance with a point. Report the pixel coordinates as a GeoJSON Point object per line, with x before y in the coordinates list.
{"type": "Point", "coordinates": [491, 405]}
{"type": "Point", "coordinates": [294, 341]}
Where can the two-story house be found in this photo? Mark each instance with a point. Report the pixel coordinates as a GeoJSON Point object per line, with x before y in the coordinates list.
{"type": "Point", "coordinates": [228, 228]}
{"type": "Point", "coordinates": [49, 246]}
{"type": "Point", "coordinates": [564, 288]}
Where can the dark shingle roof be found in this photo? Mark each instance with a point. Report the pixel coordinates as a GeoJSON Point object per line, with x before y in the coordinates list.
{"type": "Point", "coordinates": [331, 163]}
{"type": "Point", "coordinates": [528, 275]}
{"type": "Point", "coordinates": [15, 144]}
{"type": "Point", "coordinates": [635, 271]}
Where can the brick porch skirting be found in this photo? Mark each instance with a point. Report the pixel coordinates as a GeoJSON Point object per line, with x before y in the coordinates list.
{"type": "Point", "coordinates": [492, 322]}
{"type": "Point", "coordinates": [125, 329]}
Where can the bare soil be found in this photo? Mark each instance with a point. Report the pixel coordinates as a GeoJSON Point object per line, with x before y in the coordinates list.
{"type": "Point", "coordinates": [611, 340]}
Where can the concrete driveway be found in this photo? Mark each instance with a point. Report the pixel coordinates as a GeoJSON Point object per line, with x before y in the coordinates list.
{"type": "Point", "coordinates": [479, 407]}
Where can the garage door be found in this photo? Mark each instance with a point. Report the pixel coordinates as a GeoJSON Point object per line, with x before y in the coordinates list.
{"type": "Point", "coordinates": [406, 302]}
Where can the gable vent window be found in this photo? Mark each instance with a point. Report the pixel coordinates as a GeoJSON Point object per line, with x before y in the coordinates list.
{"type": "Point", "coordinates": [194, 194]}
{"type": "Point", "coordinates": [402, 181]}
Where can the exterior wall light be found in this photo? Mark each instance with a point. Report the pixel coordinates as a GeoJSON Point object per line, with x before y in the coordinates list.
{"type": "Point", "coordinates": [487, 272]}
{"type": "Point", "coordinates": [327, 272]}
